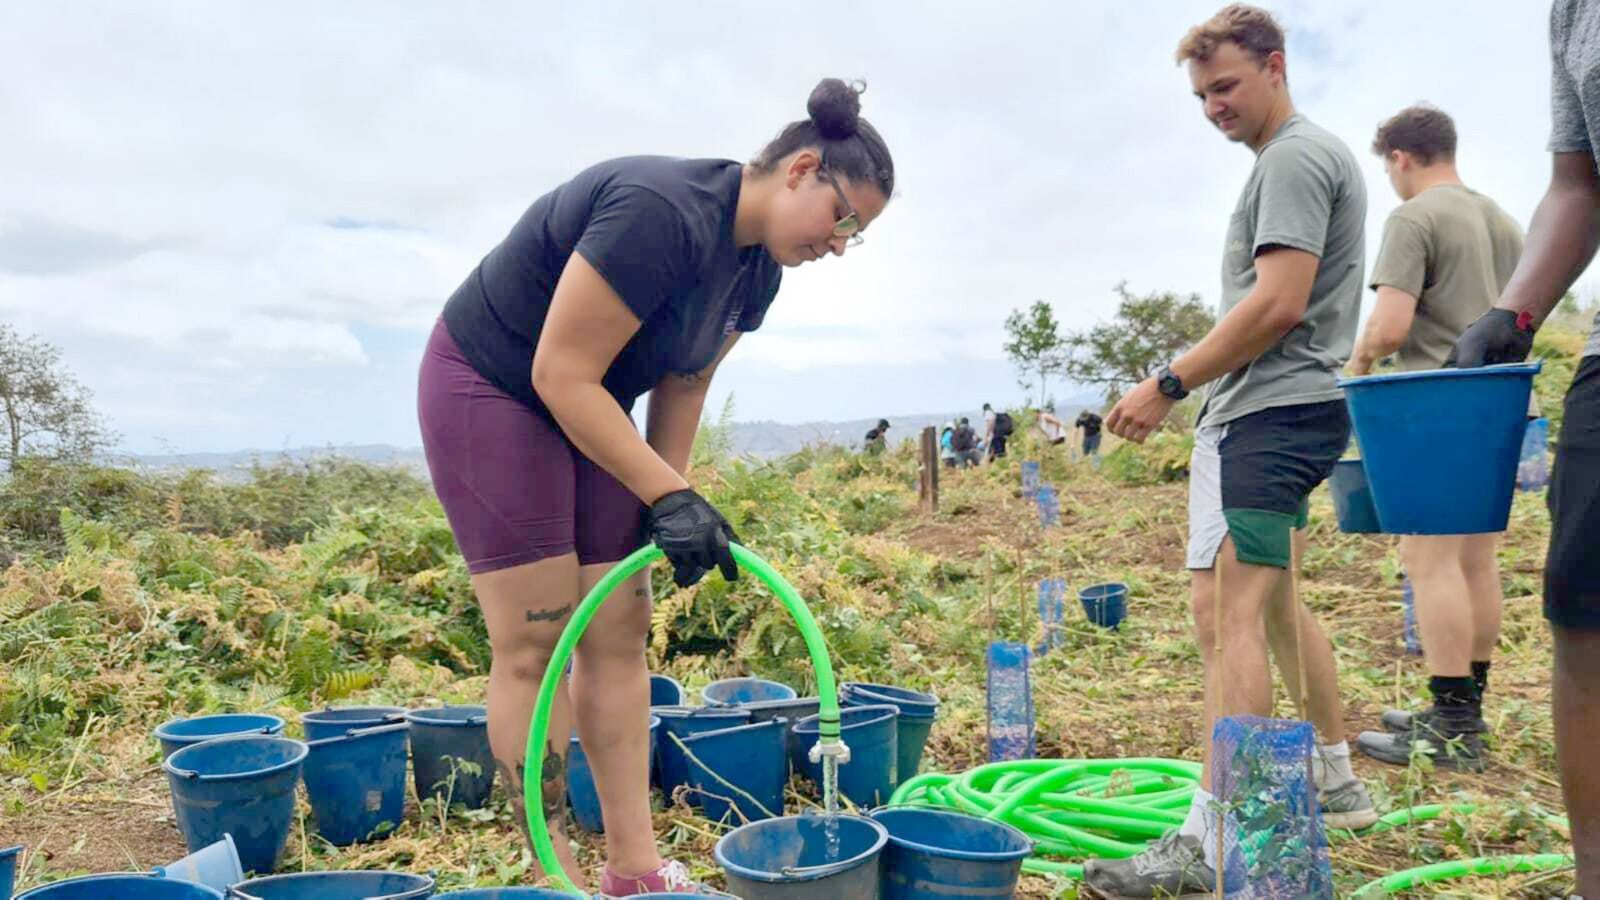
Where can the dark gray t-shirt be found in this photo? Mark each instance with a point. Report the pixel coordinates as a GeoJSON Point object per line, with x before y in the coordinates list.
{"type": "Point", "coordinates": [1575, 90]}
{"type": "Point", "coordinates": [1305, 193]}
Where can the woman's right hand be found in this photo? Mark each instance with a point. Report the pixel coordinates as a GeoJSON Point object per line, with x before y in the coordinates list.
{"type": "Point", "coordinates": [693, 535]}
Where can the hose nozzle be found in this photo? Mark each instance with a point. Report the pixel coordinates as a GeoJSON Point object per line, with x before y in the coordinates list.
{"type": "Point", "coordinates": [835, 748]}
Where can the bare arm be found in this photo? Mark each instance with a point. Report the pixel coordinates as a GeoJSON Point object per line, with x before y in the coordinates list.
{"type": "Point", "coordinates": [587, 326]}
{"type": "Point", "coordinates": [1386, 330]}
{"type": "Point", "coordinates": [1561, 239]}
{"type": "Point", "coordinates": [1276, 305]}
{"type": "Point", "coordinates": [675, 408]}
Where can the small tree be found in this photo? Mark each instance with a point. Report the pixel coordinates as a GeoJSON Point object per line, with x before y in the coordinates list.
{"type": "Point", "coordinates": [1035, 346]}
{"type": "Point", "coordinates": [1147, 332]}
{"type": "Point", "coordinates": [44, 411]}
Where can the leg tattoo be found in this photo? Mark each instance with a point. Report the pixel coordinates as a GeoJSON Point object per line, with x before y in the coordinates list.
{"type": "Point", "coordinates": [553, 615]}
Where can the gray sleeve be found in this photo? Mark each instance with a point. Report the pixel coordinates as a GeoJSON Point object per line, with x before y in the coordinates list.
{"type": "Point", "coordinates": [1402, 257]}
{"type": "Point", "coordinates": [1569, 132]}
{"type": "Point", "coordinates": [1296, 197]}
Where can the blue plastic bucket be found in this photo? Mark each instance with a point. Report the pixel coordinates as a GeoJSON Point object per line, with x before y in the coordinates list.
{"type": "Point", "coordinates": [788, 859]}
{"type": "Point", "coordinates": [1105, 605]}
{"type": "Point", "coordinates": [917, 712]}
{"type": "Point", "coordinates": [1352, 498]}
{"type": "Point", "coordinates": [332, 722]}
{"type": "Point", "coordinates": [356, 783]}
{"type": "Point", "coordinates": [666, 691]}
{"type": "Point", "coordinates": [730, 691]}
{"type": "Point", "coordinates": [684, 721]}
{"type": "Point", "coordinates": [938, 853]}
{"type": "Point", "coordinates": [215, 866]}
{"type": "Point", "coordinates": [239, 786]}
{"type": "Point", "coordinates": [180, 733]}
{"type": "Point", "coordinates": [121, 886]}
{"type": "Point", "coordinates": [8, 870]}
{"type": "Point", "coordinates": [342, 885]}
{"type": "Point", "coordinates": [741, 771]}
{"type": "Point", "coordinates": [507, 893]}
{"type": "Point", "coordinates": [443, 735]}
{"type": "Point", "coordinates": [1441, 447]}
{"type": "Point", "coordinates": [581, 793]}
{"type": "Point", "coordinates": [869, 731]}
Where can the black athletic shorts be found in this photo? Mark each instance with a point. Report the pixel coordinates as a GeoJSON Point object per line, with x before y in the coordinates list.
{"type": "Point", "coordinates": [1572, 568]}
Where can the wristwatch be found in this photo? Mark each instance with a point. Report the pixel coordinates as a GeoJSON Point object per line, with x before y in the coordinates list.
{"type": "Point", "coordinates": [1169, 384]}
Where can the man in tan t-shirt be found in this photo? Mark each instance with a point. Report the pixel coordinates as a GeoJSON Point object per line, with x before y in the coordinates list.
{"type": "Point", "coordinates": [1447, 252]}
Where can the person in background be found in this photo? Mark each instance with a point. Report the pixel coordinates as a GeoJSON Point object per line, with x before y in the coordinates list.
{"type": "Point", "coordinates": [1447, 253]}
{"type": "Point", "coordinates": [877, 438]}
{"type": "Point", "coordinates": [964, 441]}
{"type": "Point", "coordinates": [997, 427]}
{"type": "Point", "coordinates": [947, 452]}
{"type": "Point", "coordinates": [1055, 430]}
{"type": "Point", "coordinates": [1088, 428]}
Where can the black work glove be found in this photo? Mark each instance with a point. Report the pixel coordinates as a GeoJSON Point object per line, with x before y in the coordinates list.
{"type": "Point", "coordinates": [1498, 336]}
{"type": "Point", "coordinates": [693, 535]}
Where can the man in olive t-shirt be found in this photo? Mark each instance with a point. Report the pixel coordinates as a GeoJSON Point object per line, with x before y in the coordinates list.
{"type": "Point", "coordinates": [1447, 253]}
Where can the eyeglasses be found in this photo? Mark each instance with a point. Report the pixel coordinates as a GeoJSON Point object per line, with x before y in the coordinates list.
{"type": "Point", "coordinates": [848, 227]}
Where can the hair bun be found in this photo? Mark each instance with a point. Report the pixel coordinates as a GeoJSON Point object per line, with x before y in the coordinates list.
{"type": "Point", "coordinates": [835, 107]}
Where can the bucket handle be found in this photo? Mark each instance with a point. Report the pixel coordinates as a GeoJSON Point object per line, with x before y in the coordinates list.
{"type": "Point", "coordinates": [475, 721]}
{"type": "Point", "coordinates": [190, 774]}
{"type": "Point", "coordinates": [358, 732]}
{"type": "Point", "coordinates": [822, 870]}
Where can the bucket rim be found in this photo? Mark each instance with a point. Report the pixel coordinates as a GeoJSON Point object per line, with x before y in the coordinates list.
{"type": "Point", "coordinates": [302, 750]}
{"type": "Point", "coordinates": [843, 865]}
{"type": "Point", "coordinates": [723, 732]}
{"type": "Point", "coordinates": [705, 692]}
{"type": "Point", "coordinates": [165, 732]}
{"type": "Point", "coordinates": [332, 714]}
{"type": "Point", "coordinates": [685, 711]}
{"type": "Point", "coordinates": [427, 882]}
{"type": "Point", "coordinates": [10, 851]}
{"type": "Point", "coordinates": [1522, 368]}
{"type": "Point", "coordinates": [203, 889]}
{"type": "Point", "coordinates": [1104, 591]}
{"type": "Point", "coordinates": [476, 716]}
{"type": "Point", "coordinates": [810, 724]}
{"type": "Point", "coordinates": [888, 691]}
{"type": "Point", "coordinates": [951, 853]}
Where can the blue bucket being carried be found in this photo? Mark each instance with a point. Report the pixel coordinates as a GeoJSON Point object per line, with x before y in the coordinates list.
{"type": "Point", "coordinates": [239, 786]}
{"type": "Point", "coordinates": [869, 731]}
{"type": "Point", "coordinates": [356, 783]}
{"type": "Point", "coordinates": [734, 691]}
{"type": "Point", "coordinates": [121, 886]}
{"type": "Point", "coordinates": [450, 756]}
{"type": "Point", "coordinates": [341, 885]}
{"type": "Point", "coordinates": [917, 712]}
{"type": "Point", "coordinates": [215, 866]}
{"type": "Point", "coordinates": [938, 853]}
{"type": "Point", "coordinates": [332, 722]}
{"type": "Point", "coordinates": [581, 793]}
{"type": "Point", "coordinates": [684, 721]}
{"type": "Point", "coordinates": [788, 859]}
{"type": "Point", "coordinates": [1441, 447]}
{"type": "Point", "coordinates": [738, 774]}
{"type": "Point", "coordinates": [1352, 498]}
{"type": "Point", "coordinates": [180, 733]}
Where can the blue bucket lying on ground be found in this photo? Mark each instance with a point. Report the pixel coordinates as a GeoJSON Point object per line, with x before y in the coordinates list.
{"type": "Point", "coordinates": [215, 866]}
{"type": "Point", "coordinates": [1105, 605]}
{"type": "Point", "coordinates": [869, 731]}
{"type": "Point", "coordinates": [332, 722]}
{"type": "Point", "coordinates": [917, 712]}
{"type": "Point", "coordinates": [788, 859]}
{"type": "Point", "coordinates": [180, 733]}
{"type": "Point", "coordinates": [665, 691]}
{"type": "Point", "coordinates": [731, 691]}
{"type": "Point", "coordinates": [741, 772]}
{"type": "Point", "coordinates": [239, 786]}
{"type": "Point", "coordinates": [938, 853]}
{"type": "Point", "coordinates": [1441, 447]}
{"type": "Point", "coordinates": [343, 885]}
{"type": "Point", "coordinates": [8, 869]}
{"type": "Point", "coordinates": [356, 783]}
{"type": "Point", "coordinates": [442, 738]}
{"type": "Point", "coordinates": [1352, 498]}
{"type": "Point", "coordinates": [121, 886]}
{"type": "Point", "coordinates": [581, 793]}
{"type": "Point", "coordinates": [684, 721]}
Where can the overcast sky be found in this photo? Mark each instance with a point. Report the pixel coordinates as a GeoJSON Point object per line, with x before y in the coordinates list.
{"type": "Point", "coordinates": [239, 221]}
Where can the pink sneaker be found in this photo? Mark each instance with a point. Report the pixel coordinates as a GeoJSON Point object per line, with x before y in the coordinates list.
{"type": "Point", "coordinates": [672, 878]}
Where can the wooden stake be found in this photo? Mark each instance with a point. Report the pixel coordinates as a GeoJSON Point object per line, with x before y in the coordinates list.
{"type": "Point", "coordinates": [1216, 658]}
{"type": "Point", "coordinates": [1304, 700]}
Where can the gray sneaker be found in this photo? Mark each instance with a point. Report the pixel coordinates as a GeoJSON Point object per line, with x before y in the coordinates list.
{"type": "Point", "coordinates": [1347, 806]}
{"type": "Point", "coordinates": [1173, 867]}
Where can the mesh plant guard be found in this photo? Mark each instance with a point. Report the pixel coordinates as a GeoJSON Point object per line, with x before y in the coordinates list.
{"type": "Point", "coordinates": [1533, 468]}
{"type": "Point", "coordinates": [1030, 477]}
{"type": "Point", "coordinates": [1010, 702]}
{"type": "Point", "coordinates": [1052, 609]}
{"type": "Point", "coordinates": [1262, 778]}
{"type": "Point", "coordinates": [1049, 505]}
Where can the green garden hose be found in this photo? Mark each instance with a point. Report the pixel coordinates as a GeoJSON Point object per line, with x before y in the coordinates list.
{"type": "Point", "coordinates": [533, 765]}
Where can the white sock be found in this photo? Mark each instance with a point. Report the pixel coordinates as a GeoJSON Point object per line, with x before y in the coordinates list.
{"type": "Point", "coordinates": [1195, 825]}
{"type": "Point", "coordinates": [1201, 824]}
{"type": "Point", "coordinates": [1330, 765]}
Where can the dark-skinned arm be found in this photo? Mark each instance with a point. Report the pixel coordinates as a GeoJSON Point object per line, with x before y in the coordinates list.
{"type": "Point", "coordinates": [1562, 238]}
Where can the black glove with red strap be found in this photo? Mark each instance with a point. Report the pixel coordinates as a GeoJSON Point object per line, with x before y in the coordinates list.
{"type": "Point", "coordinates": [1498, 336]}
{"type": "Point", "coordinates": [693, 535]}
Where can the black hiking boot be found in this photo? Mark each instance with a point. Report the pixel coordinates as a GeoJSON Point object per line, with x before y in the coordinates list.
{"type": "Point", "coordinates": [1399, 721]}
{"type": "Point", "coordinates": [1452, 738]}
